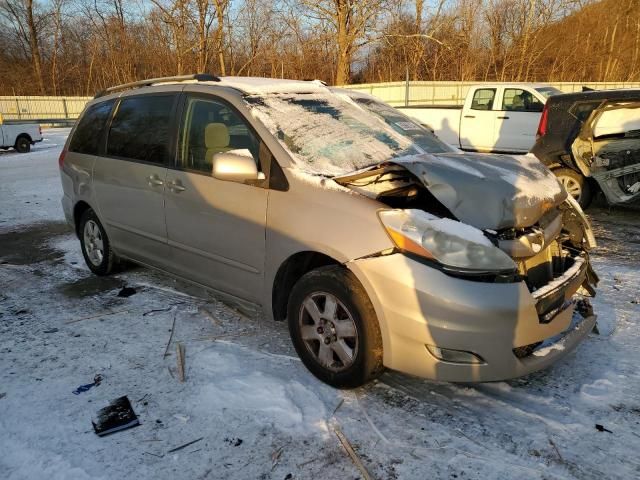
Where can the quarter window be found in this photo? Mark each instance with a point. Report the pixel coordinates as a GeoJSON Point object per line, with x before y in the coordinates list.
{"type": "Point", "coordinates": [88, 133]}
{"type": "Point", "coordinates": [140, 129]}
{"type": "Point", "coordinates": [518, 100]}
{"type": "Point", "coordinates": [212, 127]}
{"type": "Point", "coordinates": [483, 99]}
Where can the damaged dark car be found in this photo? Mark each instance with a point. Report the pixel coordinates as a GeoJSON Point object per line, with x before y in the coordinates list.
{"type": "Point", "coordinates": [591, 140]}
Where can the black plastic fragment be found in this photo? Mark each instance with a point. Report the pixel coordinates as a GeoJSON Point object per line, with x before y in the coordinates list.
{"type": "Point", "coordinates": [117, 416]}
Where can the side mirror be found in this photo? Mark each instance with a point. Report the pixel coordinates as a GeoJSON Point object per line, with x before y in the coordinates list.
{"type": "Point", "coordinates": [235, 166]}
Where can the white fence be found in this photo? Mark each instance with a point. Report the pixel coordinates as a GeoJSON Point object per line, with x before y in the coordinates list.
{"type": "Point", "coordinates": [453, 93]}
{"type": "Point", "coordinates": [50, 109]}
{"type": "Point", "coordinates": [42, 108]}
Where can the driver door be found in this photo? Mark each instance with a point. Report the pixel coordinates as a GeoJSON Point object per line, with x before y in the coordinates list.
{"type": "Point", "coordinates": [215, 228]}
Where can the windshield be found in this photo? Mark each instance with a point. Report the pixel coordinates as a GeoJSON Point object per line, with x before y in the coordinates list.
{"type": "Point", "coordinates": [548, 91]}
{"type": "Point", "coordinates": [331, 134]}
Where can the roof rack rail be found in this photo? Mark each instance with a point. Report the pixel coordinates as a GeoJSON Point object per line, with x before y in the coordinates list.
{"type": "Point", "coordinates": [200, 77]}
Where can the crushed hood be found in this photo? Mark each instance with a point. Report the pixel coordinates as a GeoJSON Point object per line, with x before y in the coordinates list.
{"type": "Point", "coordinates": [486, 191]}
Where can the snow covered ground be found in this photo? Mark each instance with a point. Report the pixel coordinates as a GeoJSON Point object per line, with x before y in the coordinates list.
{"type": "Point", "coordinates": [255, 410]}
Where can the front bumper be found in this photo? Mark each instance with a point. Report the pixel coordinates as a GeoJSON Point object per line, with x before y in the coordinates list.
{"type": "Point", "coordinates": [418, 306]}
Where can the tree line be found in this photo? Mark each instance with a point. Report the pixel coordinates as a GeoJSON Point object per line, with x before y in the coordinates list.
{"type": "Point", "coordinates": [76, 47]}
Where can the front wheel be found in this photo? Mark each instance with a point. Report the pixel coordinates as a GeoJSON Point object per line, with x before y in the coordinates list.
{"type": "Point", "coordinates": [96, 248]}
{"type": "Point", "coordinates": [23, 145]}
{"type": "Point", "coordinates": [576, 185]}
{"type": "Point", "coordinates": [334, 328]}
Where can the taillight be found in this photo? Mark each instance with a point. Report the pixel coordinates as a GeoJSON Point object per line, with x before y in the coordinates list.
{"type": "Point", "coordinates": [542, 126]}
{"type": "Point", "coordinates": [40, 130]}
{"type": "Point", "coordinates": [61, 157]}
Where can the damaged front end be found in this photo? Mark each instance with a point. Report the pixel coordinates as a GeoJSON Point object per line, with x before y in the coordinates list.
{"type": "Point", "coordinates": [607, 148]}
{"type": "Point", "coordinates": [516, 205]}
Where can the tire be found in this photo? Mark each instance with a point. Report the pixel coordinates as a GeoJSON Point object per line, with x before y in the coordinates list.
{"type": "Point", "coordinates": [323, 343]}
{"type": "Point", "coordinates": [576, 185]}
{"type": "Point", "coordinates": [95, 244]}
{"type": "Point", "coordinates": [23, 145]}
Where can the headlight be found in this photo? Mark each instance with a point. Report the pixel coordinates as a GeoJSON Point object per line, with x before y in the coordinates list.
{"type": "Point", "coordinates": [453, 244]}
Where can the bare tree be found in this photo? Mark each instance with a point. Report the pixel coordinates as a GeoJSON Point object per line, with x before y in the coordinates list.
{"type": "Point", "coordinates": [351, 19]}
{"type": "Point", "coordinates": [27, 24]}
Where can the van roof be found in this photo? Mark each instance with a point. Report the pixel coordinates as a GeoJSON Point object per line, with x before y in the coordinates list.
{"type": "Point", "coordinates": [246, 85]}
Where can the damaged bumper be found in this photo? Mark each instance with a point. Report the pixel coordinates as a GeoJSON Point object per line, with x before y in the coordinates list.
{"type": "Point", "coordinates": [510, 330]}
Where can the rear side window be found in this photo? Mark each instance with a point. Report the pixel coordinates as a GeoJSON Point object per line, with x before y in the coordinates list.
{"type": "Point", "coordinates": [518, 100]}
{"type": "Point", "coordinates": [86, 138]}
{"type": "Point", "coordinates": [140, 129]}
{"type": "Point", "coordinates": [483, 99]}
{"type": "Point", "coordinates": [582, 110]}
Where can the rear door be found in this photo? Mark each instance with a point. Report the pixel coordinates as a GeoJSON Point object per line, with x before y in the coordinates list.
{"type": "Point", "coordinates": [129, 180]}
{"type": "Point", "coordinates": [478, 119]}
{"type": "Point", "coordinates": [517, 120]}
{"type": "Point", "coordinates": [216, 229]}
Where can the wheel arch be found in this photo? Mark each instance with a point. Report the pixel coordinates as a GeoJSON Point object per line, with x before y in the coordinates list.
{"type": "Point", "coordinates": [24, 135]}
{"type": "Point", "coordinates": [78, 210]}
{"type": "Point", "coordinates": [289, 272]}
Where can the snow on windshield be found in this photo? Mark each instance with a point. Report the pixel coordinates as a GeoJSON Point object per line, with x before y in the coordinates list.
{"type": "Point", "coordinates": [328, 134]}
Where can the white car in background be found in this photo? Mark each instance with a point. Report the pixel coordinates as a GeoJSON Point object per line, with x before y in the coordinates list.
{"type": "Point", "coordinates": [19, 135]}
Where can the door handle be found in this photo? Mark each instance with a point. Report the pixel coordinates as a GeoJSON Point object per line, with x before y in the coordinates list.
{"type": "Point", "coordinates": [176, 186]}
{"type": "Point", "coordinates": [504, 118]}
{"type": "Point", "coordinates": [469, 116]}
{"type": "Point", "coordinates": [154, 181]}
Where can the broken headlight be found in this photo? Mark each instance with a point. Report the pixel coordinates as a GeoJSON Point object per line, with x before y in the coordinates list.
{"type": "Point", "coordinates": [452, 244]}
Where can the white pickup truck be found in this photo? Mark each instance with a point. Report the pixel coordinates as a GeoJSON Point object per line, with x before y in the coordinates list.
{"type": "Point", "coordinates": [19, 135]}
{"type": "Point", "coordinates": [494, 118]}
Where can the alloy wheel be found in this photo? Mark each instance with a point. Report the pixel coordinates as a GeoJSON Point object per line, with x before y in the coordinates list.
{"type": "Point", "coordinates": [328, 331]}
{"type": "Point", "coordinates": [93, 243]}
{"type": "Point", "coordinates": [572, 186]}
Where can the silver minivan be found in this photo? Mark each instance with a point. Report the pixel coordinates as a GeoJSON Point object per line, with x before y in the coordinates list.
{"type": "Point", "coordinates": [380, 245]}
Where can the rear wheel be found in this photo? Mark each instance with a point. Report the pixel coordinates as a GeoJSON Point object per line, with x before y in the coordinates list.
{"type": "Point", "coordinates": [334, 328]}
{"type": "Point", "coordinates": [96, 248]}
{"type": "Point", "coordinates": [576, 185]}
{"type": "Point", "coordinates": [23, 145]}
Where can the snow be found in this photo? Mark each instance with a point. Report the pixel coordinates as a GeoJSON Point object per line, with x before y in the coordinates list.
{"type": "Point", "coordinates": [451, 227]}
{"type": "Point", "coordinates": [635, 188]}
{"type": "Point", "coordinates": [457, 163]}
{"type": "Point", "coordinates": [538, 185]}
{"type": "Point", "coordinates": [572, 271]}
{"type": "Point", "coordinates": [259, 85]}
{"type": "Point", "coordinates": [244, 381]}
{"type": "Point", "coordinates": [318, 180]}
{"type": "Point", "coordinates": [335, 143]}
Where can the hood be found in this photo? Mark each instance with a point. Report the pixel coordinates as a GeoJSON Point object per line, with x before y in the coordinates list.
{"type": "Point", "coordinates": [485, 191]}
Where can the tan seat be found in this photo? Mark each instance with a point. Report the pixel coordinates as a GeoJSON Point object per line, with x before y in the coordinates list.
{"type": "Point", "coordinates": [216, 139]}
{"type": "Point", "coordinates": [517, 103]}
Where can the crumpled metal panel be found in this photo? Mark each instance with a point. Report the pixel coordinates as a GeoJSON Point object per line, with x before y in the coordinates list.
{"type": "Point", "coordinates": [488, 191]}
